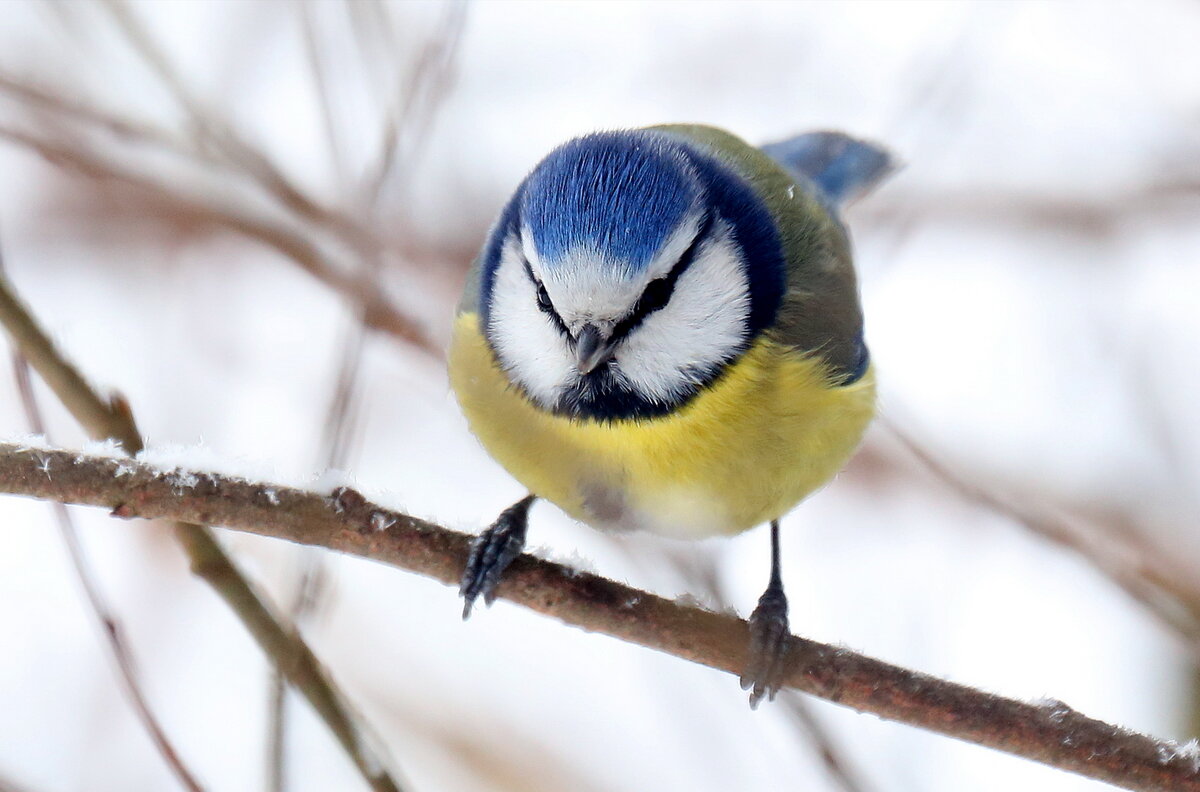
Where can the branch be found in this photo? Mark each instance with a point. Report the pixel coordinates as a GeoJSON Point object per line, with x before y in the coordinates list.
{"type": "Point", "coordinates": [102, 419]}
{"type": "Point", "coordinates": [286, 649]}
{"type": "Point", "coordinates": [104, 615]}
{"type": "Point", "coordinates": [1049, 732]}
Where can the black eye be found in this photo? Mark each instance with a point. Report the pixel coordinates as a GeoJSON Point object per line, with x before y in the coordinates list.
{"type": "Point", "coordinates": [656, 295]}
{"type": "Point", "coordinates": [543, 300]}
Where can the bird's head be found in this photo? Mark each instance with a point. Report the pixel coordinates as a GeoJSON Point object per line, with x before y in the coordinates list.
{"type": "Point", "coordinates": [614, 284]}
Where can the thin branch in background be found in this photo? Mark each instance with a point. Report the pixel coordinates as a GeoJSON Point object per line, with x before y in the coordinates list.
{"type": "Point", "coordinates": [317, 70]}
{"type": "Point", "coordinates": [830, 754]}
{"type": "Point", "coordinates": [63, 110]}
{"type": "Point", "coordinates": [142, 43]}
{"type": "Point", "coordinates": [278, 640]}
{"type": "Point", "coordinates": [295, 241]}
{"type": "Point", "coordinates": [206, 126]}
{"type": "Point", "coordinates": [103, 419]}
{"type": "Point", "coordinates": [937, 107]}
{"type": "Point", "coordinates": [1046, 731]}
{"type": "Point", "coordinates": [305, 600]}
{"type": "Point", "coordinates": [308, 591]}
{"type": "Point", "coordinates": [406, 124]}
{"type": "Point", "coordinates": [105, 616]}
{"type": "Point", "coordinates": [838, 766]}
{"type": "Point", "coordinates": [380, 314]}
{"type": "Point", "coordinates": [277, 733]}
{"type": "Point", "coordinates": [91, 163]}
{"type": "Point", "coordinates": [423, 95]}
{"type": "Point", "coordinates": [217, 131]}
{"type": "Point", "coordinates": [1130, 564]}
{"type": "Point", "coordinates": [1155, 411]}
{"type": "Point", "coordinates": [342, 416]}
{"type": "Point", "coordinates": [340, 427]}
{"type": "Point", "coordinates": [518, 763]}
{"type": "Point", "coordinates": [67, 108]}
{"type": "Point", "coordinates": [228, 153]}
{"type": "Point", "coordinates": [210, 129]}
{"type": "Point", "coordinates": [214, 135]}
{"type": "Point", "coordinates": [374, 31]}
{"type": "Point", "coordinates": [702, 577]}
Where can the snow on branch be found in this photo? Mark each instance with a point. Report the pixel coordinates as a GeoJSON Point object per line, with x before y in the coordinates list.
{"type": "Point", "coordinates": [1045, 731]}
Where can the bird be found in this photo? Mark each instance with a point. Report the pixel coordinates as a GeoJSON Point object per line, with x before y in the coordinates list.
{"type": "Point", "coordinates": [663, 333]}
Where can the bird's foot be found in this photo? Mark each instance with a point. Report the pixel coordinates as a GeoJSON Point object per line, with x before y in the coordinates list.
{"type": "Point", "coordinates": [491, 553]}
{"type": "Point", "coordinates": [769, 645]}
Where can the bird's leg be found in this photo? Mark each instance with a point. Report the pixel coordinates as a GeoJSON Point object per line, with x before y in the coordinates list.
{"type": "Point", "coordinates": [491, 553]}
{"type": "Point", "coordinates": [769, 635]}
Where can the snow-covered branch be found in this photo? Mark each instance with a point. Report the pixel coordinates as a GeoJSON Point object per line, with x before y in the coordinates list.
{"type": "Point", "coordinates": [113, 420]}
{"type": "Point", "coordinates": [1047, 731]}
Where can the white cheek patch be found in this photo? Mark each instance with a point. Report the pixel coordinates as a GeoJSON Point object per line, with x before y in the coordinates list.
{"type": "Point", "coordinates": [702, 326]}
{"type": "Point", "coordinates": [529, 344]}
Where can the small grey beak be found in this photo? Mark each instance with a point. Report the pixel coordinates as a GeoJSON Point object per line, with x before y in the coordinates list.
{"type": "Point", "coordinates": [591, 349]}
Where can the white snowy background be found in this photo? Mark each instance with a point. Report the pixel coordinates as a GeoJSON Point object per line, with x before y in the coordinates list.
{"type": "Point", "coordinates": [1031, 281]}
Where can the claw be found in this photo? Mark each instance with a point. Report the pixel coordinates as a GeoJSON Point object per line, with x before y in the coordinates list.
{"type": "Point", "coordinates": [769, 645]}
{"type": "Point", "coordinates": [491, 553]}
{"type": "Point", "coordinates": [770, 638]}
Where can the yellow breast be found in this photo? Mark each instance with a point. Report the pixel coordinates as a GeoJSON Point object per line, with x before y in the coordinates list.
{"type": "Point", "coordinates": [768, 432]}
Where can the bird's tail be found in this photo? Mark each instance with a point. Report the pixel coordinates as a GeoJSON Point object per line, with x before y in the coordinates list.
{"type": "Point", "coordinates": [843, 167]}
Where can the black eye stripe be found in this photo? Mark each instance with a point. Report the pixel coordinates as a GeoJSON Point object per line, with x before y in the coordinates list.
{"type": "Point", "coordinates": [543, 299]}
{"type": "Point", "coordinates": [658, 292]}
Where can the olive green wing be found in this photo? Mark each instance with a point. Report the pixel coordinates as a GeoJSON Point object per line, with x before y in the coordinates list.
{"type": "Point", "coordinates": [820, 312]}
{"type": "Point", "coordinates": [469, 301]}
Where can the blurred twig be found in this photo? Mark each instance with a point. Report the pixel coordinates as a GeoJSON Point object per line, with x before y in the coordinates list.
{"type": "Point", "coordinates": [518, 763]}
{"type": "Point", "coordinates": [307, 590]}
{"type": "Point", "coordinates": [1048, 731]}
{"type": "Point", "coordinates": [828, 751]}
{"type": "Point", "coordinates": [208, 560]}
{"type": "Point", "coordinates": [335, 444]}
{"type": "Point", "coordinates": [317, 68]}
{"type": "Point", "coordinates": [377, 311]}
{"type": "Point", "coordinates": [105, 616]}
{"type": "Point", "coordinates": [307, 232]}
{"type": "Point", "coordinates": [702, 577]}
{"type": "Point", "coordinates": [406, 123]}
{"type": "Point", "coordinates": [1095, 216]}
{"type": "Point", "coordinates": [1127, 560]}
{"type": "Point", "coordinates": [304, 601]}
{"type": "Point", "coordinates": [422, 94]}
{"type": "Point", "coordinates": [210, 128]}
{"type": "Point", "coordinates": [40, 98]}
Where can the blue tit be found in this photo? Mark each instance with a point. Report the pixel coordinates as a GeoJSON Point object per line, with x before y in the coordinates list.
{"type": "Point", "coordinates": [663, 333]}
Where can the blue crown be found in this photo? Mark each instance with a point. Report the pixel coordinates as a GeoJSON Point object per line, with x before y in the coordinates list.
{"type": "Point", "coordinates": [618, 193]}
